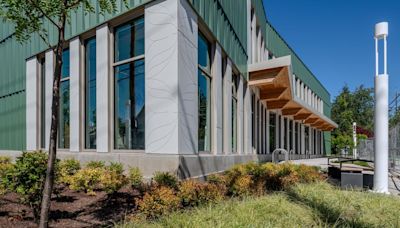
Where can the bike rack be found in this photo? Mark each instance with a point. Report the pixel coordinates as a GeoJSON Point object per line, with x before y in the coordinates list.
{"type": "Point", "coordinates": [274, 160]}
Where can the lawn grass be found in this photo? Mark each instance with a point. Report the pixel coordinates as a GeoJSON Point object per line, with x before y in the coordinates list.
{"type": "Point", "coordinates": [274, 210]}
{"type": "Point", "coordinates": [305, 205]}
{"type": "Point", "coordinates": [349, 208]}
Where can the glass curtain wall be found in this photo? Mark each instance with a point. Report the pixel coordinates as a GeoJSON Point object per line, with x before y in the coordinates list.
{"type": "Point", "coordinates": [272, 132]}
{"type": "Point", "coordinates": [204, 94]}
{"type": "Point", "coordinates": [90, 93]}
{"type": "Point", "coordinates": [129, 89]}
{"type": "Point", "coordinates": [64, 118]}
{"type": "Point", "coordinates": [235, 84]}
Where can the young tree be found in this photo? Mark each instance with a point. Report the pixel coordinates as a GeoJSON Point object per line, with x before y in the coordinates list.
{"type": "Point", "coordinates": [28, 18]}
{"type": "Point", "coordinates": [348, 107]}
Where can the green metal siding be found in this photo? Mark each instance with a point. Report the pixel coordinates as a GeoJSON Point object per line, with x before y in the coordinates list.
{"type": "Point", "coordinates": [228, 23]}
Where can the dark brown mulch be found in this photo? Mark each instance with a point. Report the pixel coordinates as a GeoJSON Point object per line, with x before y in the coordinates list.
{"type": "Point", "coordinates": [71, 209]}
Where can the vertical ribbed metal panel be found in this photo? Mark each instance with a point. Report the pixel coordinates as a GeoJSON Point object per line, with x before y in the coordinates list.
{"type": "Point", "coordinates": [227, 22]}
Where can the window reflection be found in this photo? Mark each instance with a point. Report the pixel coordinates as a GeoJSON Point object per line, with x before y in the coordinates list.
{"type": "Point", "coordinates": [204, 96]}
{"type": "Point", "coordinates": [129, 91]}
{"type": "Point", "coordinates": [129, 106]}
{"type": "Point", "coordinates": [90, 103]}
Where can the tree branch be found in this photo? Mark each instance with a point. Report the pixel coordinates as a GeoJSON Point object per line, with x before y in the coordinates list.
{"type": "Point", "coordinates": [44, 14]}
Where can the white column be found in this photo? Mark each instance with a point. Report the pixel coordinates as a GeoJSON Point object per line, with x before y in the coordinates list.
{"type": "Point", "coordinates": [303, 139]}
{"type": "Point", "coordinates": [171, 78]}
{"type": "Point", "coordinates": [103, 133]}
{"type": "Point", "coordinates": [227, 109]}
{"type": "Point", "coordinates": [277, 130]}
{"type": "Point", "coordinates": [247, 120]}
{"type": "Point", "coordinates": [216, 92]}
{"type": "Point", "coordinates": [75, 95]}
{"type": "Point", "coordinates": [49, 68]}
{"type": "Point", "coordinates": [240, 117]}
{"type": "Point", "coordinates": [32, 104]}
{"type": "Point", "coordinates": [294, 136]}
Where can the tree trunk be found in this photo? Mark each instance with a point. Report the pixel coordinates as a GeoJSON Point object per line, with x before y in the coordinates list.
{"type": "Point", "coordinates": [48, 186]}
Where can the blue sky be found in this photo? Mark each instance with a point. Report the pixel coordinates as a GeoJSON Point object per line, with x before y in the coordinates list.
{"type": "Point", "coordinates": [335, 38]}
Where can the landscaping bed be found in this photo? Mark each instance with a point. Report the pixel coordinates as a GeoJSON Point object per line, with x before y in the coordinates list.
{"type": "Point", "coordinates": [71, 209]}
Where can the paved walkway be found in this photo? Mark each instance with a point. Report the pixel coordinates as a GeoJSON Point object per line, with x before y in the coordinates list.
{"type": "Point", "coordinates": [323, 163]}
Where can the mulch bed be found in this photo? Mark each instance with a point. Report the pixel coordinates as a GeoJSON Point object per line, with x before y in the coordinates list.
{"type": "Point", "coordinates": [71, 209]}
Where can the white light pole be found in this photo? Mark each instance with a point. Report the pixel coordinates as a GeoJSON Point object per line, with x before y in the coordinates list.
{"type": "Point", "coordinates": [381, 126]}
{"type": "Point", "coordinates": [354, 140]}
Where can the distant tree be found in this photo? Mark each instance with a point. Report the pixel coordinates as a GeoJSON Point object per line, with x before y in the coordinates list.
{"type": "Point", "coordinates": [349, 107]}
{"type": "Point", "coordinates": [28, 18]}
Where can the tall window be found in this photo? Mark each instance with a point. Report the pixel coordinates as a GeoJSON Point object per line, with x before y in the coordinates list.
{"type": "Point", "coordinates": [129, 90]}
{"type": "Point", "coordinates": [235, 84]}
{"type": "Point", "coordinates": [253, 120]}
{"type": "Point", "coordinates": [307, 141]}
{"type": "Point", "coordinates": [296, 138]}
{"type": "Point", "coordinates": [272, 132]}
{"type": "Point", "coordinates": [290, 134]}
{"type": "Point", "coordinates": [204, 94]}
{"type": "Point", "coordinates": [63, 139]}
{"type": "Point", "coordinates": [285, 132]}
{"type": "Point", "coordinates": [280, 144]}
{"type": "Point", "coordinates": [90, 94]}
{"type": "Point", "coordinates": [42, 103]}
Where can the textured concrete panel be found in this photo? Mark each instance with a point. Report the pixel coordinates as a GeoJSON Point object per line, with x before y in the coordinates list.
{"type": "Point", "coordinates": [216, 93]}
{"type": "Point", "coordinates": [75, 94]}
{"type": "Point", "coordinates": [49, 68]}
{"type": "Point", "coordinates": [187, 79]}
{"type": "Point", "coordinates": [240, 125]}
{"type": "Point", "coordinates": [102, 89]}
{"type": "Point", "coordinates": [171, 78]}
{"type": "Point", "coordinates": [31, 104]}
{"type": "Point", "coordinates": [227, 96]}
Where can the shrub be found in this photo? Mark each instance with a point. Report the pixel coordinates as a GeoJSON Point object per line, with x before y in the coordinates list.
{"type": "Point", "coordinates": [87, 180]}
{"type": "Point", "coordinates": [166, 179]}
{"type": "Point", "coordinates": [5, 170]}
{"type": "Point", "coordinates": [66, 169]}
{"type": "Point", "coordinates": [220, 181]}
{"type": "Point", "coordinates": [5, 159]}
{"type": "Point", "coordinates": [111, 180]}
{"type": "Point", "coordinates": [27, 179]}
{"type": "Point", "coordinates": [116, 167]}
{"type": "Point", "coordinates": [159, 201]}
{"type": "Point", "coordinates": [194, 193]}
{"type": "Point", "coordinates": [242, 186]}
{"type": "Point", "coordinates": [135, 178]}
{"type": "Point", "coordinates": [96, 164]}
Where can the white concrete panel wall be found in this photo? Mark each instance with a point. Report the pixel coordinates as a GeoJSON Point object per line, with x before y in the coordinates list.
{"type": "Point", "coordinates": [49, 68]}
{"type": "Point", "coordinates": [227, 109]}
{"type": "Point", "coordinates": [171, 78]}
{"type": "Point", "coordinates": [216, 92]}
{"type": "Point", "coordinates": [187, 79]}
{"type": "Point", "coordinates": [102, 89]}
{"type": "Point", "coordinates": [75, 94]}
{"type": "Point", "coordinates": [247, 120]}
{"type": "Point", "coordinates": [31, 104]}
{"type": "Point", "coordinates": [240, 114]}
